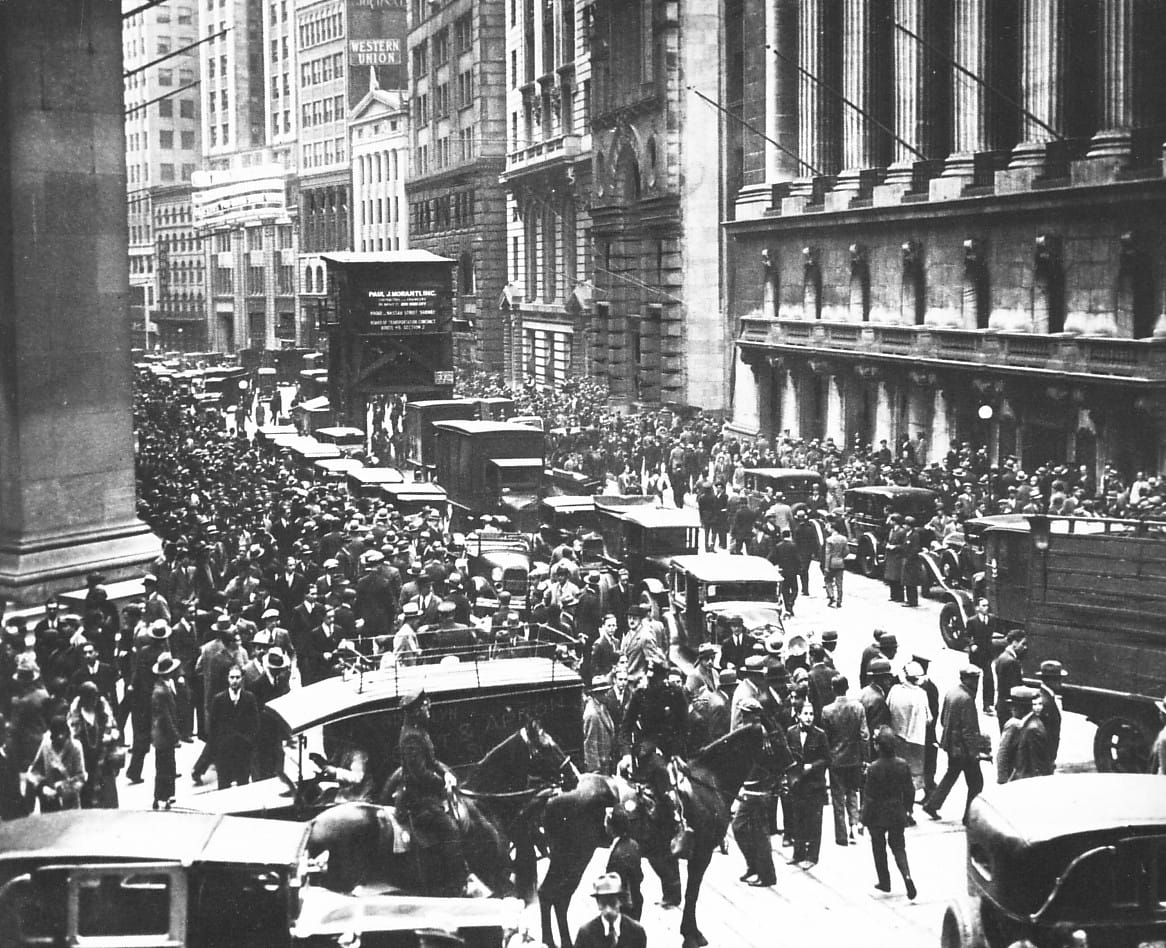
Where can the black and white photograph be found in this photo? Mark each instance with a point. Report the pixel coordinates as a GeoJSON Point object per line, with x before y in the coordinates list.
{"type": "Point", "coordinates": [582, 473]}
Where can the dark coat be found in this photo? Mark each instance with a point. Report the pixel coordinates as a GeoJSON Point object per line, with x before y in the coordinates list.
{"type": "Point", "coordinates": [960, 721]}
{"type": "Point", "coordinates": [593, 934]}
{"type": "Point", "coordinates": [588, 614]}
{"type": "Point", "coordinates": [888, 795]}
{"type": "Point", "coordinates": [810, 749]}
{"type": "Point", "coordinates": [979, 635]}
{"type": "Point", "coordinates": [1031, 754]}
{"type": "Point", "coordinates": [735, 653]}
{"type": "Point", "coordinates": [164, 732]}
{"type": "Point", "coordinates": [1050, 715]}
{"type": "Point", "coordinates": [233, 727]}
{"type": "Point", "coordinates": [844, 721]}
{"type": "Point", "coordinates": [1009, 675]}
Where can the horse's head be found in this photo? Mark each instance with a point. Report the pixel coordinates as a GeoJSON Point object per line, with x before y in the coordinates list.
{"type": "Point", "coordinates": [548, 761]}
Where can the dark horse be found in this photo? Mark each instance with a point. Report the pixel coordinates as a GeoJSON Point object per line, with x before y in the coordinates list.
{"type": "Point", "coordinates": [359, 837]}
{"type": "Point", "coordinates": [574, 824]}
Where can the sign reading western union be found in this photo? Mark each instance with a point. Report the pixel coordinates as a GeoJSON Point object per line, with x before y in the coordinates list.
{"type": "Point", "coordinates": [374, 52]}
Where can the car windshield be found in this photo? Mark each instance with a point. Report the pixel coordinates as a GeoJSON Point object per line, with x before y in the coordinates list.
{"type": "Point", "coordinates": [745, 592]}
{"type": "Point", "coordinates": [666, 540]}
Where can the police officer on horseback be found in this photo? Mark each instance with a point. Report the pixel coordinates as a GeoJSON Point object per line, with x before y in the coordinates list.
{"type": "Point", "coordinates": [655, 726]}
{"type": "Point", "coordinates": [419, 787]}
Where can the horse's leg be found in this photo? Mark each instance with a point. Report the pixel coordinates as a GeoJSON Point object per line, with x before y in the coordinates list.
{"type": "Point", "coordinates": [562, 879]}
{"type": "Point", "coordinates": [667, 867]}
{"type": "Point", "coordinates": [698, 863]}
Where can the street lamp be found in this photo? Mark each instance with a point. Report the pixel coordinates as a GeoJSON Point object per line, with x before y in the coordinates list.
{"type": "Point", "coordinates": [985, 412]}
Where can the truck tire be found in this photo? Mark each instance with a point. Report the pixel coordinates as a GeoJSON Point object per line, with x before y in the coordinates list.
{"type": "Point", "coordinates": [1122, 746]}
{"type": "Point", "coordinates": [951, 627]}
{"type": "Point", "coordinates": [961, 926]}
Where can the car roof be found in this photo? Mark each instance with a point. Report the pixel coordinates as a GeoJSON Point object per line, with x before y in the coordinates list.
{"type": "Point", "coordinates": [892, 490]}
{"type": "Point", "coordinates": [647, 516]}
{"type": "Point", "coordinates": [336, 699]}
{"type": "Point", "coordinates": [432, 402]}
{"type": "Point", "coordinates": [570, 502]}
{"type": "Point", "coordinates": [1044, 808]}
{"type": "Point", "coordinates": [485, 427]}
{"type": "Point", "coordinates": [378, 475]}
{"type": "Point", "coordinates": [415, 489]}
{"type": "Point", "coordinates": [728, 568]}
{"type": "Point", "coordinates": [144, 835]}
{"type": "Point", "coordinates": [785, 472]}
{"type": "Point", "coordinates": [516, 462]}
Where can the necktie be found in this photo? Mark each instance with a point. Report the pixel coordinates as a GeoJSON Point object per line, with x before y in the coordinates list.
{"type": "Point", "coordinates": [611, 935]}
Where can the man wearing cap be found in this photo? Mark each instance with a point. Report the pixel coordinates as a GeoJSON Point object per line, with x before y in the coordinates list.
{"type": "Point", "coordinates": [376, 601]}
{"type": "Point", "coordinates": [703, 676]}
{"type": "Point", "coordinates": [277, 636]}
{"type": "Point", "coordinates": [874, 696]}
{"type": "Point", "coordinates": [639, 645]}
{"type": "Point", "coordinates": [598, 729]}
{"type": "Point", "coordinates": [1051, 676]}
{"type": "Point", "coordinates": [751, 819]}
{"type": "Point", "coordinates": [155, 606]}
{"type": "Point", "coordinates": [885, 645]}
{"type": "Point", "coordinates": [1031, 756]}
{"type": "Point", "coordinates": [610, 929]}
{"type": "Point", "coordinates": [750, 685]}
{"type": "Point", "coordinates": [418, 788]}
{"type": "Point", "coordinates": [961, 741]}
{"type": "Point", "coordinates": [844, 723]}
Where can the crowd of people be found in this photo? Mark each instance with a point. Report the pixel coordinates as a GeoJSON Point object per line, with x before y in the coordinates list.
{"type": "Point", "coordinates": [268, 582]}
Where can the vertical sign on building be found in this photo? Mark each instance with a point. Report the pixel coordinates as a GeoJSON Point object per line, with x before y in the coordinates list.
{"type": "Point", "coordinates": [376, 46]}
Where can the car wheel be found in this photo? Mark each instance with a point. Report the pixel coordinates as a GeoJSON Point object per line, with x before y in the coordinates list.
{"type": "Point", "coordinates": [1121, 746]}
{"type": "Point", "coordinates": [951, 627]}
{"type": "Point", "coordinates": [961, 927]}
{"type": "Point", "coordinates": [951, 570]}
{"type": "Point", "coordinates": [868, 563]}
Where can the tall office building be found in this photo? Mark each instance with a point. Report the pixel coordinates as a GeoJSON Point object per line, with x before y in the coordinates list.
{"type": "Point", "coordinates": [163, 146]}
{"type": "Point", "coordinates": [457, 206]}
{"type": "Point", "coordinates": [234, 76]}
{"type": "Point", "coordinates": [548, 192]}
{"type": "Point", "coordinates": [179, 309]}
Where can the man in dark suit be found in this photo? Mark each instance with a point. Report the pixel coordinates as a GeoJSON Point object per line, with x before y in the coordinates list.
{"type": "Point", "coordinates": [738, 646]}
{"type": "Point", "coordinates": [961, 741]}
{"type": "Point", "coordinates": [1009, 673]}
{"type": "Point", "coordinates": [982, 628]}
{"type": "Point", "coordinates": [96, 671]}
{"type": "Point", "coordinates": [1031, 756]}
{"type": "Point", "coordinates": [887, 801]}
{"type": "Point", "coordinates": [234, 722]}
{"type": "Point", "coordinates": [616, 599]}
{"type": "Point", "coordinates": [1052, 673]}
{"type": "Point", "coordinates": [164, 732]}
{"type": "Point", "coordinates": [610, 928]}
{"type": "Point", "coordinates": [807, 788]}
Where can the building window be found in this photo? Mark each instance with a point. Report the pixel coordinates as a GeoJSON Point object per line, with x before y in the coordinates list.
{"type": "Point", "coordinates": [255, 281]}
{"type": "Point", "coordinates": [166, 108]}
{"type": "Point", "coordinates": [167, 171]}
{"type": "Point", "coordinates": [420, 60]}
{"type": "Point", "coordinates": [185, 75]}
{"type": "Point", "coordinates": [254, 238]}
{"type": "Point", "coordinates": [186, 108]}
{"type": "Point", "coordinates": [163, 45]}
{"type": "Point", "coordinates": [165, 77]}
{"type": "Point", "coordinates": [165, 139]}
{"type": "Point", "coordinates": [185, 16]}
{"type": "Point", "coordinates": [464, 33]}
{"type": "Point", "coordinates": [465, 89]}
{"type": "Point", "coordinates": [188, 140]}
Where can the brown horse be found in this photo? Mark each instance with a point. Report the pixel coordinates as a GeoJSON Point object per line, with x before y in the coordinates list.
{"type": "Point", "coordinates": [360, 837]}
{"type": "Point", "coordinates": [574, 825]}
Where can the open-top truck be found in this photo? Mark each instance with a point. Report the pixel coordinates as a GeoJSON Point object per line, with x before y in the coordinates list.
{"type": "Point", "coordinates": [1091, 593]}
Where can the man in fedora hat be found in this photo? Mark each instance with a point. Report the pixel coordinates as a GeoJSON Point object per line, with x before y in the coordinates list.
{"type": "Point", "coordinates": [610, 928]}
{"type": "Point", "coordinates": [1051, 675]}
{"type": "Point", "coordinates": [961, 741]}
{"type": "Point", "coordinates": [267, 759]}
{"type": "Point", "coordinates": [164, 731]}
{"type": "Point", "coordinates": [598, 729]}
{"type": "Point", "coordinates": [139, 693]}
{"type": "Point", "coordinates": [703, 676]}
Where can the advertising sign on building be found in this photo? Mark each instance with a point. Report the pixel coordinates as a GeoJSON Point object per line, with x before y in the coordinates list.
{"type": "Point", "coordinates": [376, 43]}
{"type": "Point", "coordinates": [403, 312]}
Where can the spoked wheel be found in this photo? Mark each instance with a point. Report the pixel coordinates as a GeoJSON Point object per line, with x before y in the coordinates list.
{"type": "Point", "coordinates": [951, 627]}
{"type": "Point", "coordinates": [868, 563]}
{"type": "Point", "coordinates": [1121, 746]}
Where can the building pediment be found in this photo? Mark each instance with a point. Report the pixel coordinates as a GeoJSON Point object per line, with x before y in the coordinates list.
{"type": "Point", "coordinates": [377, 103]}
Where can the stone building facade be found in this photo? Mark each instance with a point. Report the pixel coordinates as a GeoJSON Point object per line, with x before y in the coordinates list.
{"type": "Point", "coordinates": [457, 206]}
{"type": "Point", "coordinates": [948, 224]}
{"type": "Point", "coordinates": [659, 333]}
{"type": "Point", "coordinates": [548, 192]}
{"type": "Point", "coordinates": [180, 273]}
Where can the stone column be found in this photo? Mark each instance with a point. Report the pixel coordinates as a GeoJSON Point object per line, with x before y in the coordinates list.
{"type": "Point", "coordinates": [1123, 60]}
{"type": "Point", "coordinates": [67, 492]}
{"type": "Point", "coordinates": [818, 110]}
{"type": "Point", "coordinates": [1042, 78]}
{"type": "Point", "coordinates": [782, 100]}
{"type": "Point", "coordinates": [884, 414]}
{"type": "Point", "coordinates": [746, 396]}
{"type": "Point", "coordinates": [917, 93]}
{"type": "Point", "coordinates": [975, 26]}
{"type": "Point", "coordinates": [790, 414]}
{"type": "Point", "coordinates": [835, 410]}
{"type": "Point", "coordinates": [863, 24]}
{"type": "Point", "coordinates": [940, 427]}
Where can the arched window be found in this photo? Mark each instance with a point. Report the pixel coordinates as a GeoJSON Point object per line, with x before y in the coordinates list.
{"type": "Point", "coordinates": [628, 176]}
{"type": "Point", "coordinates": [379, 171]}
{"type": "Point", "coordinates": [396, 171]}
{"type": "Point", "coordinates": [600, 173]}
{"type": "Point", "coordinates": [320, 278]}
{"type": "Point", "coordinates": [308, 283]}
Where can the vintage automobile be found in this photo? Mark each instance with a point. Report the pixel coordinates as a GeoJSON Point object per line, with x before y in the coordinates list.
{"type": "Point", "coordinates": [559, 482]}
{"type": "Point", "coordinates": [506, 561]}
{"type": "Point", "coordinates": [867, 509]}
{"type": "Point", "coordinates": [307, 451]}
{"type": "Point", "coordinates": [800, 486]}
{"type": "Point", "coordinates": [414, 497]}
{"type": "Point", "coordinates": [419, 434]}
{"type": "Point", "coordinates": [346, 438]}
{"type": "Point", "coordinates": [763, 620]}
{"type": "Point", "coordinates": [645, 538]}
{"type": "Point", "coordinates": [368, 482]}
{"type": "Point", "coordinates": [564, 518]}
{"type": "Point", "coordinates": [1091, 593]}
{"type": "Point", "coordinates": [138, 879]}
{"type": "Point", "coordinates": [334, 470]}
{"type": "Point", "coordinates": [704, 578]}
{"type": "Point", "coordinates": [1051, 856]}
{"type": "Point", "coordinates": [356, 718]}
